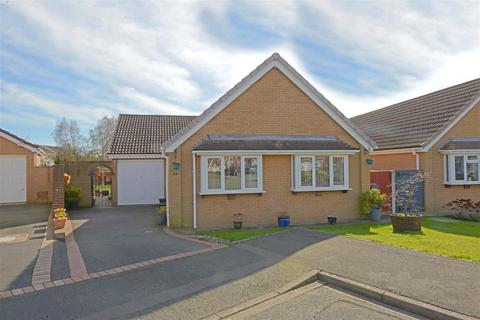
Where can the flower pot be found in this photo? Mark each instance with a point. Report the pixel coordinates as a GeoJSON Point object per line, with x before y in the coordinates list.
{"type": "Point", "coordinates": [332, 220]}
{"type": "Point", "coordinates": [283, 221]}
{"type": "Point", "coordinates": [237, 225]}
{"type": "Point", "coordinates": [59, 224]}
{"type": "Point", "coordinates": [403, 223]}
{"type": "Point", "coordinates": [376, 215]}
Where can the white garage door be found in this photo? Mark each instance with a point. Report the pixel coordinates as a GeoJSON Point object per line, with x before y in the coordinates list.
{"type": "Point", "coordinates": [13, 179]}
{"type": "Point", "coordinates": [140, 181]}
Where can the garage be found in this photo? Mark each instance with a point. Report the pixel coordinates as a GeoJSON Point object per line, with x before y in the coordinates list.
{"type": "Point", "coordinates": [13, 178]}
{"type": "Point", "coordinates": [140, 181]}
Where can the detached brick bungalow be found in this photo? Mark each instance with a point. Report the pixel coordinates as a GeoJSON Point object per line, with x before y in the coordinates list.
{"type": "Point", "coordinates": [438, 133]}
{"type": "Point", "coordinates": [271, 145]}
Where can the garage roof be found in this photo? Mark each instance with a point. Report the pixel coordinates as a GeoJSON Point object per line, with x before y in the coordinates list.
{"type": "Point", "coordinates": [18, 141]}
{"type": "Point", "coordinates": [144, 134]}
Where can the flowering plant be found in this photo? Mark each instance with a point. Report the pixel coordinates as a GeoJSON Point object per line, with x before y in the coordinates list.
{"type": "Point", "coordinates": [237, 216]}
{"type": "Point", "coordinates": [60, 214]}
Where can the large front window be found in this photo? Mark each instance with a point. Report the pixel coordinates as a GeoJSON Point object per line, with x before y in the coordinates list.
{"type": "Point", "coordinates": [231, 174]}
{"type": "Point", "coordinates": [320, 172]}
{"type": "Point", "coordinates": [462, 168]}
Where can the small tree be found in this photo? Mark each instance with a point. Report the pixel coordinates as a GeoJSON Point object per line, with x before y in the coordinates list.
{"type": "Point", "coordinates": [100, 137]}
{"type": "Point", "coordinates": [405, 193]}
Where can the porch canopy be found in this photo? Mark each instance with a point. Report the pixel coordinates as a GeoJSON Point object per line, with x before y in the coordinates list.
{"type": "Point", "coordinates": [460, 144]}
{"type": "Point", "coordinates": [273, 143]}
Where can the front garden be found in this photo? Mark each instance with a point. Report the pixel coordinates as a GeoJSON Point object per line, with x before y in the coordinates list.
{"type": "Point", "coordinates": [439, 235]}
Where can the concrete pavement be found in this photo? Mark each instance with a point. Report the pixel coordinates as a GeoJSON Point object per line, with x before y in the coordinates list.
{"type": "Point", "coordinates": [27, 223]}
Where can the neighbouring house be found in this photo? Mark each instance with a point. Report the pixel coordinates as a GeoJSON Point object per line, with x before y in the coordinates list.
{"type": "Point", "coordinates": [272, 145]}
{"type": "Point", "coordinates": [437, 133]}
{"type": "Point", "coordinates": [23, 174]}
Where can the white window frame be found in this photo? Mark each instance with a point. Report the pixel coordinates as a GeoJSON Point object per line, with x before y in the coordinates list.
{"type": "Point", "coordinates": [296, 174]}
{"type": "Point", "coordinates": [449, 177]}
{"type": "Point", "coordinates": [204, 174]}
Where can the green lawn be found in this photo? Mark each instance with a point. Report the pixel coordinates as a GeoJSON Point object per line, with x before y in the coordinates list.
{"type": "Point", "coordinates": [235, 235]}
{"type": "Point", "coordinates": [458, 239]}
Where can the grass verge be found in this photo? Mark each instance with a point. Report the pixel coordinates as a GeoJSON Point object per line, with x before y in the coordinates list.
{"type": "Point", "coordinates": [242, 234]}
{"type": "Point", "coordinates": [456, 239]}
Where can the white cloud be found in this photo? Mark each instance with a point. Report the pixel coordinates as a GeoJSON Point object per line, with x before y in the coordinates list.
{"type": "Point", "coordinates": [158, 57]}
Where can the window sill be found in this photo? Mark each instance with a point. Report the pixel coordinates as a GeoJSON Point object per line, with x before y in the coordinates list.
{"type": "Point", "coordinates": [230, 193]}
{"type": "Point", "coordinates": [465, 183]}
{"type": "Point", "coordinates": [321, 190]}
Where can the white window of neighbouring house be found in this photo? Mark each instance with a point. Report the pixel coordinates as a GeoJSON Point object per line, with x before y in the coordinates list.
{"type": "Point", "coordinates": [231, 174]}
{"type": "Point", "coordinates": [462, 168]}
{"type": "Point", "coordinates": [320, 172]}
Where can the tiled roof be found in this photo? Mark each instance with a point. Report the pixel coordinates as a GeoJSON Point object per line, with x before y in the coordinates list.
{"type": "Point", "coordinates": [414, 122]}
{"type": "Point", "coordinates": [274, 143]}
{"type": "Point", "coordinates": [462, 144]}
{"type": "Point", "coordinates": [144, 134]}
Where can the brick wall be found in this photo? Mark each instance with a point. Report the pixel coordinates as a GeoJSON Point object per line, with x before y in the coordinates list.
{"type": "Point", "coordinates": [397, 161]}
{"type": "Point", "coordinates": [436, 193]}
{"type": "Point", "coordinates": [58, 187]}
{"type": "Point", "coordinates": [273, 105]}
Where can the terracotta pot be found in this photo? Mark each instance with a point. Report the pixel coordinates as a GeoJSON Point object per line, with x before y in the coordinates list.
{"type": "Point", "coordinates": [59, 224]}
{"type": "Point", "coordinates": [406, 223]}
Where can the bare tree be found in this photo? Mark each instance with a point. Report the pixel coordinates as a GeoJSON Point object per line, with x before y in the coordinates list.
{"type": "Point", "coordinates": [67, 136]}
{"type": "Point", "coordinates": [100, 136]}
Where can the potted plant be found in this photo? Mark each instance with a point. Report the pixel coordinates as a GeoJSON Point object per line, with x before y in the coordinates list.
{"type": "Point", "coordinates": [283, 221]}
{"type": "Point", "coordinates": [72, 196]}
{"type": "Point", "coordinates": [370, 203]}
{"type": "Point", "coordinates": [410, 219]}
{"type": "Point", "coordinates": [237, 220]}
{"type": "Point", "coordinates": [59, 218]}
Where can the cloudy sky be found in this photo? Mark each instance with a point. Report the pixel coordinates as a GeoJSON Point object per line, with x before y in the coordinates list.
{"type": "Point", "coordinates": [86, 59]}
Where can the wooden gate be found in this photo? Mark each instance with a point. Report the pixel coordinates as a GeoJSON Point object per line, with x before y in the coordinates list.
{"type": "Point", "coordinates": [383, 181]}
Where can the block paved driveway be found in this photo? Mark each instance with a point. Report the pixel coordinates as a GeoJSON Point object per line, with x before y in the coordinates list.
{"type": "Point", "coordinates": [119, 236]}
{"type": "Point", "coordinates": [21, 234]}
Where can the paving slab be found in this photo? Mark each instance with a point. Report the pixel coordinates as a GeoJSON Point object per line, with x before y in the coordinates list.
{"type": "Point", "coordinates": [17, 258]}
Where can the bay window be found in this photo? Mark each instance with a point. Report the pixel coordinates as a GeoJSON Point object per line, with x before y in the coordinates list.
{"type": "Point", "coordinates": [231, 174]}
{"type": "Point", "coordinates": [462, 168]}
{"type": "Point", "coordinates": [320, 172]}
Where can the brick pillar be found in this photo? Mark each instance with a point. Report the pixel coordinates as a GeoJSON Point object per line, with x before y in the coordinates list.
{"type": "Point", "coordinates": [58, 187]}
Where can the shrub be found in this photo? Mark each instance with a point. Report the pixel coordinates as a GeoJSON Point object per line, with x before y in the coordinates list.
{"type": "Point", "coordinates": [461, 206]}
{"type": "Point", "coordinates": [371, 200]}
{"type": "Point", "coordinates": [72, 194]}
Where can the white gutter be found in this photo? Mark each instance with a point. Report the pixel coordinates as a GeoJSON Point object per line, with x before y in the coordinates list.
{"type": "Point", "coordinates": [417, 160]}
{"type": "Point", "coordinates": [194, 187]}
{"type": "Point", "coordinates": [396, 151]}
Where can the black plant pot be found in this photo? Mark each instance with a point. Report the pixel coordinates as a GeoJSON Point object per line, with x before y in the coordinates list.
{"type": "Point", "coordinates": [237, 225]}
{"type": "Point", "coordinates": [332, 220]}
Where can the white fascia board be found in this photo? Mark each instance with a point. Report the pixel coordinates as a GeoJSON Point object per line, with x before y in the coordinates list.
{"type": "Point", "coordinates": [475, 151]}
{"type": "Point", "coordinates": [432, 141]}
{"type": "Point", "coordinates": [275, 152]}
{"type": "Point", "coordinates": [136, 156]}
{"type": "Point", "coordinates": [18, 142]}
{"type": "Point", "coordinates": [396, 151]}
{"type": "Point", "coordinates": [321, 101]}
{"type": "Point", "coordinates": [290, 73]}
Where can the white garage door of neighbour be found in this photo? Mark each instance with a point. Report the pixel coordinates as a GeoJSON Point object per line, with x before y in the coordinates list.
{"type": "Point", "coordinates": [140, 181]}
{"type": "Point", "coordinates": [13, 179]}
